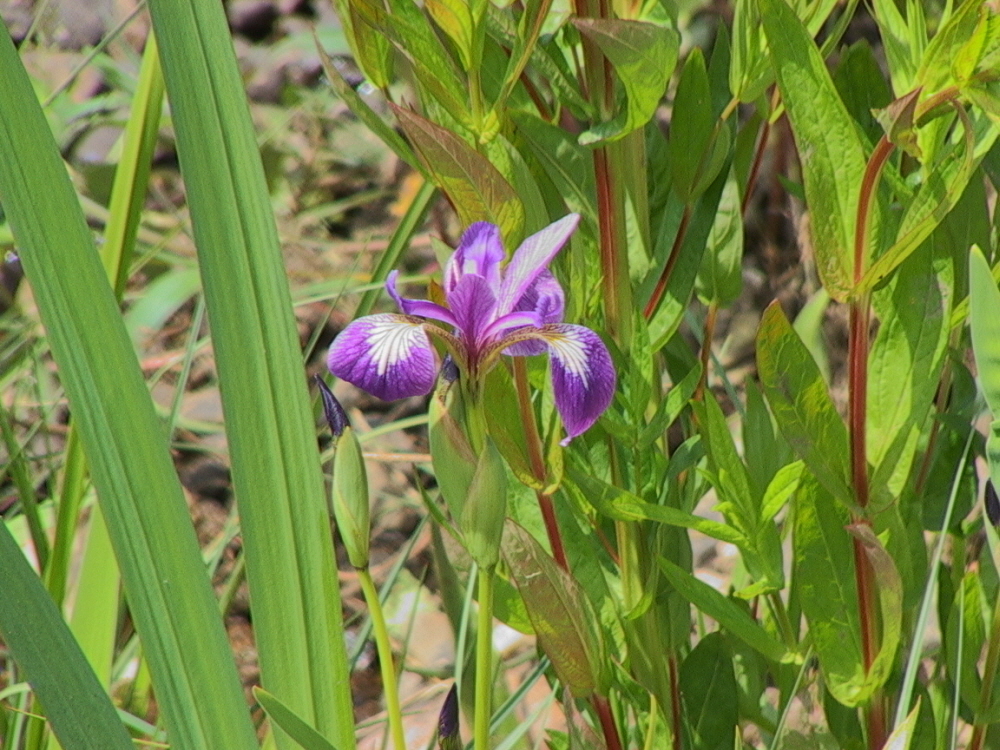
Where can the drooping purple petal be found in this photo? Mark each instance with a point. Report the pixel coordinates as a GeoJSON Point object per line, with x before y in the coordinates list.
{"type": "Point", "coordinates": [583, 375]}
{"type": "Point", "coordinates": [545, 296]}
{"type": "Point", "coordinates": [531, 259]}
{"type": "Point", "coordinates": [472, 302]}
{"type": "Point", "coordinates": [419, 307]}
{"type": "Point", "coordinates": [480, 252]}
{"type": "Point", "coordinates": [387, 355]}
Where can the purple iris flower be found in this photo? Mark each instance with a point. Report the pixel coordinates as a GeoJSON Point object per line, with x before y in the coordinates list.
{"type": "Point", "coordinates": [491, 310]}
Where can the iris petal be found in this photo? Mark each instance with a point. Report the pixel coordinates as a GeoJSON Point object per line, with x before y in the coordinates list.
{"type": "Point", "coordinates": [480, 252]}
{"type": "Point", "coordinates": [420, 307]}
{"type": "Point", "coordinates": [387, 355]}
{"type": "Point", "coordinates": [531, 259]}
{"type": "Point", "coordinates": [546, 298]}
{"type": "Point", "coordinates": [583, 375]}
{"type": "Point", "coordinates": [472, 302]}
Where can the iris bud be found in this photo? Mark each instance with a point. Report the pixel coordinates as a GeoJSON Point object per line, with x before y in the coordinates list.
{"type": "Point", "coordinates": [350, 498]}
{"type": "Point", "coordinates": [485, 508]}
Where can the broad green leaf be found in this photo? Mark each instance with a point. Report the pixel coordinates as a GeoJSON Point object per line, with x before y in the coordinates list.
{"type": "Point", "coordinates": [303, 734]}
{"type": "Point", "coordinates": [726, 612]}
{"type": "Point", "coordinates": [76, 705]}
{"type": "Point", "coordinates": [904, 40]}
{"type": "Point", "coordinates": [123, 438]}
{"type": "Point", "coordinates": [691, 125]}
{"type": "Point", "coordinates": [889, 587]}
{"type": "Point", "coordinates": [801, 404]}
{"type": "Point", "coordinates": [405, 25]}
{"type": "Point", "coordinates": [708, 689]}
{"type": "Point", "coordinates": [644, 55]}
{"type": "Point", "coordinates": [905, 359]}
{"type": "Point", "coordinates": [569, 165]}
{"type": "Point", "coordinates": [824, 571]}
{"type": "Point", "coordinates": [564, 621]}
{"type": "Point", "coordinates": [750, 73]}
{"type": "Point", "coordinates": [475, 187]}
{"type": "Point", "coordinates": [967, 629]}
{"type": "Point", "coordinates": [622, 505]}
{"type": "Point", "coordinates": [454, 17]}
{"type": "Point", "coordinates": [780, 490]}
{"type": "Point", "coordinates": [984, 321]}
{"type": "Point", "coordinates": [957, 48]}
{"type": "Point", "coordinates": [371, 50]}
{"type": "Point", "coordinates": [830, 150]}
{"type": "Point", "coordinates": [862, 87]}
{"type": "Point", "coordinates": [720, 278]}
{"type": "Point", "coordinates": [270, 429]}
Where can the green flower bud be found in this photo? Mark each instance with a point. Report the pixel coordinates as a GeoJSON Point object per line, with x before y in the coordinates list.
{"type": "Point", "coordinates": [350, 498]}
{"type": "Point", "coordinates": [486, 508]}
{"type": "Point", "coordinates": [453, 457]}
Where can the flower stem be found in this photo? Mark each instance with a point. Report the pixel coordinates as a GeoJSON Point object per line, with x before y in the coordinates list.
{"type": "Point", "coordinates": [484, 662]}
{"type": "Point", "coordinates": [385, 659]}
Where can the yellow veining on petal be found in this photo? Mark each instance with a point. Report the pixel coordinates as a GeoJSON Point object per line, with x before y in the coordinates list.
{"type": "Point", "coordinates": [391, 342]}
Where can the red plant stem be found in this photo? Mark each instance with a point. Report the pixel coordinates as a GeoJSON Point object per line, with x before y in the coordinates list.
{"type": "Point", "coordinates": [661, 284]}
{"type": "Point", "coordinates": [675, 703]}
{"type": "Point", "coordinates": [534, 443]}
{"type": "Point", "coordinates": [857, 423]}
{"type": "Point", "coordinates": [607, 719]}
{"type": "Point", "coordinates": [706, 348]}
{"type": "Point", "coordinates": [758, 158]}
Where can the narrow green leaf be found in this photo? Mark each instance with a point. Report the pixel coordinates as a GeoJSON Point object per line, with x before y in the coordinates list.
{"type": "Point", "coordinates": [644, 55]}
{"type": "Point", "coordinates": [824, 570]}
{"type": "Point", "coordinates": [270, 427]}
{"type": "Point", "coordinates": [726, 612]}
{"type": "Point", "coordinates": [781, 489]}
{"type": "Point", "coordinates": [371, 50]}
{"type": "Point", "coordinates": [165, 582]}
{"type": "Point", "coordinates": [801, 404]}
{"type": "Point", "coordinates": [691, 125]}
{"type": "Point", "coordinates": [365, 113]}
{"type": "Point", "coordinates": [902, 735]}
{"type": "Point", "coordinates": [564, 621]}
{"type": "Point", "coordinates": [906, 357]}
{"type": "Point", "coordinates": [984, 320]}
{"type": "Point", "coordinates": [904, 40]}
{"type": "Point", "coordinates": [477, 190]}
{"type": "Point", "coordinates": [76, 705]}
{"type": "Point", "coordinates": [964, 638]}
{"type": "Point", "coordinates": [711, 700]}
{"type": "Point", "coordinates": [455, 19]}
{"type": "Point", "coordinates": [307, 737]}
{"type": "Point", "coordinates": [890, 597]}
{"type": "Point", "coordinates": [831, 153]}
{"type": "Point", "coordinates": [720, 278]}
{"type": "Point", "coordinates": [750, 73]}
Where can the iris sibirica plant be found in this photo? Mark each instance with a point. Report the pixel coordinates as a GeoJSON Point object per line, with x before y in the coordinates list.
{"type": "Point", "coordinates": [491, 310]}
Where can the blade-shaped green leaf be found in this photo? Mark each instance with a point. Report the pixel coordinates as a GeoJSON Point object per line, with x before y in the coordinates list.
{"type": "Point", "coordinates": [984, 320]}
{"type": "Point", "coordinates": [165, 582]}
{"type": "Point", "coordinates": [644, 55]}
{"type": "Point", "coordinates": [824, 570]}
{"type": "Point", "coordinates": [79, 710]}
{"type": "Point", "coordinates": [829, 148]}
{"type": "Point", "coordinates": [801, 404]}
{"type": "Point", "coordinates": [711, 700]}
{"type": "Point", "coordinates": [477, 190]}
{"type": "Point", "coordinates": [269, 421]}
{"type": "Point", "coordinates": [564, 621]}
{"type": "Point", "coordinates": [284, 717]}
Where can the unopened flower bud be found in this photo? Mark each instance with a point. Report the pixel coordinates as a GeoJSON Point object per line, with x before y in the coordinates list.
{"type": "Point", "coordinates": [350, 498]}
{"type": "Point", "coordinates": [335, 415]}
{"type": "Point", "coordinates": [486, 508]}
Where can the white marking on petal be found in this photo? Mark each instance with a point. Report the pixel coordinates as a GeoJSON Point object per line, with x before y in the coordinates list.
{"type": "Point", "coordinates": [572, 353]}
{"type": "Point", "coordinates": [392, 341]}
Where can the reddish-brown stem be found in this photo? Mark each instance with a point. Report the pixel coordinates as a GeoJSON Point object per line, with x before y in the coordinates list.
{"type": "Point", "coordinates": [607, 720]}
{"type": "Point", "coordinates": [857, 423]}
{"type": "Point", "coordinates": [706, 348]}
{"type": "Point", "coordinates": [661, 284]}
{"type": "Point", "coordinates": [675, 702]}
{"type": "Point", "coordinates": [758, 158]}
{"type": "Point", "coordinates": [534, 443]}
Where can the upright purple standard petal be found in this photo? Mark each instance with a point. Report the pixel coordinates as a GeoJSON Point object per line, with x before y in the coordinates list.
{"type": "Point", "coordinates": [387, 355]}
{"type": "Point", "coordinates": [480, 252]}
{"type": "Point", "coordinates": [583, 376]}
{"type": "Point", "coordinates": [531, 259]}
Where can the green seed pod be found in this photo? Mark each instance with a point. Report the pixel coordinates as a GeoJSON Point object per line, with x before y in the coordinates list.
{"type": "Point", "coordinates": [486, 508]}
{"type": "Point", "coordinates": [350, 498]}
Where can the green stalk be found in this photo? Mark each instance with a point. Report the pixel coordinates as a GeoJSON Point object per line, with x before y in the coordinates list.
{"type": "Point", "coordinates": [484, 662]}
{"type": "Point", "coordinates": [385, 659]}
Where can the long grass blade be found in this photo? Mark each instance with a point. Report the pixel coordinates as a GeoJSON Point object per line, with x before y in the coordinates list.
{"type": "Point", "coordinates": [269, 423]}
{"type": "Point", "coordinates": [165, 581]}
